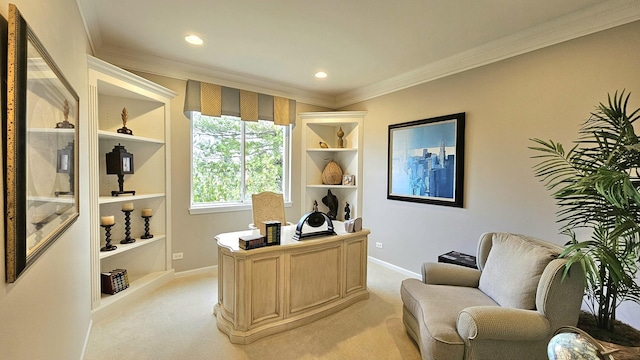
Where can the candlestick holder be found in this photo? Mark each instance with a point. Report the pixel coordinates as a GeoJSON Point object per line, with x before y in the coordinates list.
{"type": "Point", "coordinates": [107, 232]}
{"type": "Point", "coordinates": [146, 228]}
{"type": "Point", "coordinates": [127, 228]}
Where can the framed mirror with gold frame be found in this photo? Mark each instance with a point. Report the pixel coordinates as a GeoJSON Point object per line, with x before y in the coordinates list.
{"type": "Point", "coordinates": [40, 149]}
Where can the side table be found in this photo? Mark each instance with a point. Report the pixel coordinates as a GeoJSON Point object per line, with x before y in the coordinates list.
{"type": "Point", "coordinates": [458, 258]}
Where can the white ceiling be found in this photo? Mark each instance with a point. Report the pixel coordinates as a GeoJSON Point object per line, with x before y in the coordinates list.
{"type": "Point", "coordinates": [368, 47]}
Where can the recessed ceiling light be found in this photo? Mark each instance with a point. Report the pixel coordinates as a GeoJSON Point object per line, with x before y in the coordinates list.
{"type": "Point", "coordinates": [321, 74]}
{"type": "Point", "coordinates": [193, 39]}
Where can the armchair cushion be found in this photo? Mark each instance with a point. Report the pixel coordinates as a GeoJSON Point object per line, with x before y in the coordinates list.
{"type": "Point", "coordinates": [513, 270]}
{"type": "Point", "coordinates": [435, 309]}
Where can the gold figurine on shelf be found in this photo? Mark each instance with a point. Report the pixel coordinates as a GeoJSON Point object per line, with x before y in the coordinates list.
{"type": "Point", "coordinates": [340, 135]}
{"type": "Point", "coordinates": [65, 124]}
{"type": "Point", "coordinates": [125, 117]}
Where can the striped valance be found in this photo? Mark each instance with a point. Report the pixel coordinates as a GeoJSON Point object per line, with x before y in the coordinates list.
{"type": "Point", "coordinates": [216, 100]}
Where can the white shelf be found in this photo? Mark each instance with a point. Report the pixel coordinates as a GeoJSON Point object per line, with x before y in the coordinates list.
{"type": "Point", "coordinates": [323, 127]}
{"type": "Point", "coordinates": [136, 287]}
{"type": "Point", "coordinates": [147, 261]}
{"type": "Point", "coordinates": [333, 150]}
{"type": "Point", "coordinates": [109, 135]}
{"type": "Point", "coordinates": [127, 247]}
{"type": "Point", "coordinates": [53, 199]}
{"type": "Point", "coordinates": [48, 131]}
{"type": "Point", "coordinates": [333, 186]}
{"type": "Point", "coordinates": [126, 198]}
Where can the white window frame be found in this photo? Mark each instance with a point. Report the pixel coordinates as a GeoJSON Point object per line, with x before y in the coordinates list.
{"type": "Point", "coordinates": [204, 208]}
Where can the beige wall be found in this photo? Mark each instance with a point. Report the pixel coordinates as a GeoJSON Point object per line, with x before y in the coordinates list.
{"type": "Point", "coordinates": [545, 94]}
{"type": "Point", "coordinates": [46, 313]}
{"type": "Point", "coordinates": [194, 235]}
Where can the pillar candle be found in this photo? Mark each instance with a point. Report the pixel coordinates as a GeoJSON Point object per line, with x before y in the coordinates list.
{"type": "Point", "coordinates": [146, 212]}
{"type": "Point", "coordinates": [127, 206]}
{"type": "Point", "coordinates": [107, 220]}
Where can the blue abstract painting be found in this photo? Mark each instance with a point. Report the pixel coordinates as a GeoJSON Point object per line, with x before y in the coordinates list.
{"type": "Point", "coordinates": [424, 160]}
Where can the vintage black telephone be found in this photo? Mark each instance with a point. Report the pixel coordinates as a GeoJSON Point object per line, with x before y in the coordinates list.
{"type": "Point", "coordinates": [314, 219]}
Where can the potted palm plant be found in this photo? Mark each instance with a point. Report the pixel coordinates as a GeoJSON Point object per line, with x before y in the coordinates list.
{"type": "Point", "coordinates": [596, 185]}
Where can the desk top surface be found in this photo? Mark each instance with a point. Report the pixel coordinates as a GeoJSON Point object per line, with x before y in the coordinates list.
{"type": "Point", "coordinates": [230, 240]}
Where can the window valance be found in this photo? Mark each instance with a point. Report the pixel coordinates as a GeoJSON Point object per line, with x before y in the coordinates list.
{"type": "Point", "coordinates": [217, 100]}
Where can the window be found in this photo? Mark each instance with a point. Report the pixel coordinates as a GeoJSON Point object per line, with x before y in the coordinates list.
{"type": "Point", "coordinates": [232, 159]}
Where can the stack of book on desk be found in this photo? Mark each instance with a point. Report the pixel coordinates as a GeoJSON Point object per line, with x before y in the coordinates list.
{"type": "Point", "coordinates": [249, 242]}
{"type": "Point", "coordinates": [114, 281]}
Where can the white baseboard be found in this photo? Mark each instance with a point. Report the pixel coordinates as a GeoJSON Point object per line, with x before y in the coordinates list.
{"type": "Point", "coordinates": [395, 268]}
{"type": "Point", "coordinates": [86, 340]}
{"type": "Point", "coordinates": [203, 270]}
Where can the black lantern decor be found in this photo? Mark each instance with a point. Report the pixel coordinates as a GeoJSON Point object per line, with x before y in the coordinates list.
{"type": "Point", "coordinates": [65, 165]}
{"type": "Point", "coordinates": [120, 162]}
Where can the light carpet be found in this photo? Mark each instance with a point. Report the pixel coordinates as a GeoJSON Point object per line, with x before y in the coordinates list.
{"type": "Point", "coordinates": [177, 322]}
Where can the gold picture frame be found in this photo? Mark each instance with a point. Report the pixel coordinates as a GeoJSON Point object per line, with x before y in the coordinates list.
{"type": "Point", "coordinates": [40, 149]}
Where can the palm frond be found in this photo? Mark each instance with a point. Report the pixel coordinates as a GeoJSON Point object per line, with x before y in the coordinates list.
{"type": "Point", "coordinates": [593, 187]}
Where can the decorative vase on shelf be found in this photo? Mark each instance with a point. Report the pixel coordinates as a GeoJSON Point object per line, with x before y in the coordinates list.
{"type": "Point", "coordinates": [331, 201]}
{"type": "Point", "coordinates": [340, 135]}
{"type": "Point", "coordinates": [332, 174]}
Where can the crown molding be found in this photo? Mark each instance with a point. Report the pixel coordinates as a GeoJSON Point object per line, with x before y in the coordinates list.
{"type": "Point", "coordinates": [180, 70]}
{"type": "Point", "coordinates": [594, 19]}
{"type": "Point", "coordinates": [89, 16]}
{"type": "Point", "coordinates": [116, 72]}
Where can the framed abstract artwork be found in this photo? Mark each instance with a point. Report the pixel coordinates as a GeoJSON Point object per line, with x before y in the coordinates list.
{"type": "Point", "coordinates": [426, 161]}
{"type": "Point", "coordinates": [40, 149]}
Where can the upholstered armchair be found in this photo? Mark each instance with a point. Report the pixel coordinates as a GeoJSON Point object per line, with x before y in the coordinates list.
{"type": "Point", "coordinates": [509, 308]}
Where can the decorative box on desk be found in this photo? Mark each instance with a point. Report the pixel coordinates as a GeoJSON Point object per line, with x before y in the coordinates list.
{"type": "Point", "coordinates": [458, 258]}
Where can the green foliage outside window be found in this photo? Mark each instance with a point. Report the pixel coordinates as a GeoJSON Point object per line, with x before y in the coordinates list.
{"type": "Point", "coordinates": [218, 158]}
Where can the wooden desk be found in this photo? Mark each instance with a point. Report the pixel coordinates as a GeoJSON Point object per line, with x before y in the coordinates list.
{"type": "Point", "coordinates": [276, 288]}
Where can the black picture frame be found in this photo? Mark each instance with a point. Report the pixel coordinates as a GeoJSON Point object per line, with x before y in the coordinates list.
{"type": "Point", "coordinates": [426, 161]}
{"type": "Point", "coordinates": [41, 203]}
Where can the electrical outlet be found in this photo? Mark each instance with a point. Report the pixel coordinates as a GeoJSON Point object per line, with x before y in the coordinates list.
{"type": "Point", "coordinates": [178, 256]}
{"type": "Point", "coordinates": [379, 245]}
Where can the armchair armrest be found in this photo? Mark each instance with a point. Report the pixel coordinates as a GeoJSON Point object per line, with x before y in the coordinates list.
{"type": "Point", "coordinates": [499, 323]}
{"type": "Point", "coordinates": [449, 274]}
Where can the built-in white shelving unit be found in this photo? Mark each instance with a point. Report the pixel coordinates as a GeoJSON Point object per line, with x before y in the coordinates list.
{"type": "Point", "coordinates": [147, 261]}
{"type": "Point", "coordinates": [323, 127]}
